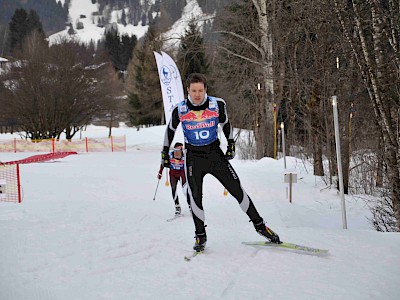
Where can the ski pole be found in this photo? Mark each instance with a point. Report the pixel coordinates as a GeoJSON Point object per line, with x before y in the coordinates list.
{"type": "Point", "coordinates": [154, 198]}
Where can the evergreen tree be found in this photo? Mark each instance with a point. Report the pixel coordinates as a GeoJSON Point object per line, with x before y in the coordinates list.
{"type": "Point", "coordinates": [145, 94]}
{"type": "Point", "coordinates": [21, 25]}
{"type": "Point", "coordinates": [191, 55]}
{"type": "Point", "coordinates": [119, 48]}
{"type": "Point", "coordinates": [127, 45]}
{"type": "Point", "coordinates": [18, 28]}
{"type": "Point", "coordinates": [112, 46]}
{"type": "Point", "coordinates": [123, 18]}
{"type": "Point", "coordinates": [35, 23]}
{"type": "Point", "coordinates": [53, 14]}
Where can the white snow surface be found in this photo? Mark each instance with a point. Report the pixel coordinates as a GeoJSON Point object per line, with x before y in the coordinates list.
{"type": "Point", "coordinates": [88, 228]}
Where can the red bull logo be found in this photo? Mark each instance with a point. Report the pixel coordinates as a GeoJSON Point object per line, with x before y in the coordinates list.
{"type": "Point", "coordinates": [190, 116]}
{"type": "Point", "coordinates": [199, 115]}
{"type": "Point", "coordinates": [208, 114]}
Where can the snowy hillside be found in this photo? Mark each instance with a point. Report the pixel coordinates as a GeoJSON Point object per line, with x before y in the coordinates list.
{"type": "Point", "coordinates": [192, 11]}
{"type": "Point", "coordinates": [85, 12]}
{"type": "Point", "coordinates": [88, 228]}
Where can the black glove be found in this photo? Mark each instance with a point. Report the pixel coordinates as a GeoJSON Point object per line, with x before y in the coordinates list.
{"type": "Point", "coordinates": [165, 159]}
{"type": "Point", "coordinates": [230, 151]}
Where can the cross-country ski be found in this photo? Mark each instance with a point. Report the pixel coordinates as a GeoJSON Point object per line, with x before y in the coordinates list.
{"type": "Point", "coordinates": [290, 247]}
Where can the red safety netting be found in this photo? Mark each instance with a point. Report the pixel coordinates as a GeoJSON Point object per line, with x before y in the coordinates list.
{"type": "Point", "coordinates": [10, 185]}
{"type": "Point", "coordinates": [109, 144]}
{"type": "Point", "coordinates": [40, 158]}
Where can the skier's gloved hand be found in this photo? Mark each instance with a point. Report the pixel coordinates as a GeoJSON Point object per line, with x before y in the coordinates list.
{"type": "Point", "coordinates": [165, 159]}
{"type": "Point", "coordinates": [230, 151]}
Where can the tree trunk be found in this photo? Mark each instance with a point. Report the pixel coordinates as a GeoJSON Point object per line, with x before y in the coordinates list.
{"type": "Point", "coordinates": [266, 121]}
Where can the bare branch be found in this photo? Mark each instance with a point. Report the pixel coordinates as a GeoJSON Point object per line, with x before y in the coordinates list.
{"type": "Point", "coordinates": [240, 56]}
{"type": "Point", "coordinates": [259, 49]}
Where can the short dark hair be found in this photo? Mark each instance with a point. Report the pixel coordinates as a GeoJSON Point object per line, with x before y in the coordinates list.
{"type": "Point", "coordinates": [196, 78]}
{"type": "Point", "coordinates": [178, 144]}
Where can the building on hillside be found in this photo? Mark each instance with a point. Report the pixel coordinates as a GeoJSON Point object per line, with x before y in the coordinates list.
{"type": "Point", "coordinates": [3, 62]}
{"type": "Point", "coordinates": [7, 124]}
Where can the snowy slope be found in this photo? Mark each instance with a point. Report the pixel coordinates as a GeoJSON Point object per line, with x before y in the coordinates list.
{"type": "Point", "coordinates": [192, 11]}
{"type": "Point", "coordinates": [91, 32]}
{"type": "Point", "coordinates": [88, 229]}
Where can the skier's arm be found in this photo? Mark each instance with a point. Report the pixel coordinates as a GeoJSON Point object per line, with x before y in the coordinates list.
{"type": "Point", "coordinates": [224, 121]}
{"type": "Point", "coordinates": [171, 128]}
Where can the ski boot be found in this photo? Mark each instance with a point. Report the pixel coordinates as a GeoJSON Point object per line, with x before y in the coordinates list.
{"type": "Point", "coordinates": [177, 209]}
{"type": "Point", "coordinates": [201, 240]}
{"type": "Point", "coordinates": [266, 232]}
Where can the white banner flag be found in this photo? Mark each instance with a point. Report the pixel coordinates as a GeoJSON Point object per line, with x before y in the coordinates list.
{"type": "Point", "coordinates": [176, 76]}
{"type": "Point", "coordinates": [170, 81]}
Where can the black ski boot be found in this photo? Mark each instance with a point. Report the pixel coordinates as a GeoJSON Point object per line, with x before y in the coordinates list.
{"type": "Point", "coordinates": [266, 232]}
{"type": "Point", "coordinates": [177, 209]}
{"type": "Point", "coordinates": [201, 240]}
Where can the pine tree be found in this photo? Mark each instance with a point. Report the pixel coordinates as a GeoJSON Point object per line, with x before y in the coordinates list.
{"type": "Point", "coordinates": [127, 45]}
{"type": "Point", "coordinates": [119, 48]}
{"type": "Point", "coordinates": [145, 94]}
{"type": "Point", "coordinates": [35, 23]}
{"type": "Point", "coordinates": [191, 55]}
{"type": "Point", "coordinates": [18, 28]}
{"type": "Point", "coordinates": [112, 46]}
{"type": "Point", "coordinates": [123, 18]}
{"type": "Point", "coordinates": [21, 25]}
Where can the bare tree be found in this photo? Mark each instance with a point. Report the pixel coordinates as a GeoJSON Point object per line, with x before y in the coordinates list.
{"type": "Point", "coordinates": [372, 30]}
{"type": "Point", "coordinates": [247, 47]}
{"type": "Point", "coordinates": [54, 90]}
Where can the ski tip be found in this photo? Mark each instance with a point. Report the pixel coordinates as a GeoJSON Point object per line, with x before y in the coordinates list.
{"type": "Point", "coordinates": [175, 217]}
{"type": "Point", "coordinates": [194, 254]}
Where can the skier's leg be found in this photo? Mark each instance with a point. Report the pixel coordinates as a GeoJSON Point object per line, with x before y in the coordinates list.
{"type": "Point", "coordinates": [225, 173]}
{"type": "Point", "coordinates": [174, 184]}
{"type": "Point", "coordinates": [184, 187]}
{"type": "Point", "coordinates": [195, 172]}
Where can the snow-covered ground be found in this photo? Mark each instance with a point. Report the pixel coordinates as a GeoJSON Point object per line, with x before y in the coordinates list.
{"type": "Point", "coordinates": [88, 228]}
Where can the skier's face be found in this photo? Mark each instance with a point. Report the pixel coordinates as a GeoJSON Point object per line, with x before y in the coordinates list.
{"type": "Point", "coordinates": [197, 91]}
{"type": "Point", "coordinates": [178, 153]}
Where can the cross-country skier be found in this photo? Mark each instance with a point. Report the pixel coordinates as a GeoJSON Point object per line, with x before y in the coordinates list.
{"type": "Point", "coordinates": [200, 116]}
{"type": "Point", "coordinates": [176, 173]}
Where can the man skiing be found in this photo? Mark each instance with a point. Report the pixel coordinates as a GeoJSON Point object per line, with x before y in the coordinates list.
{"type": "Point", "coordinates": [176, 173]}
{"type": "Point", "coordinates": [200, 116]}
